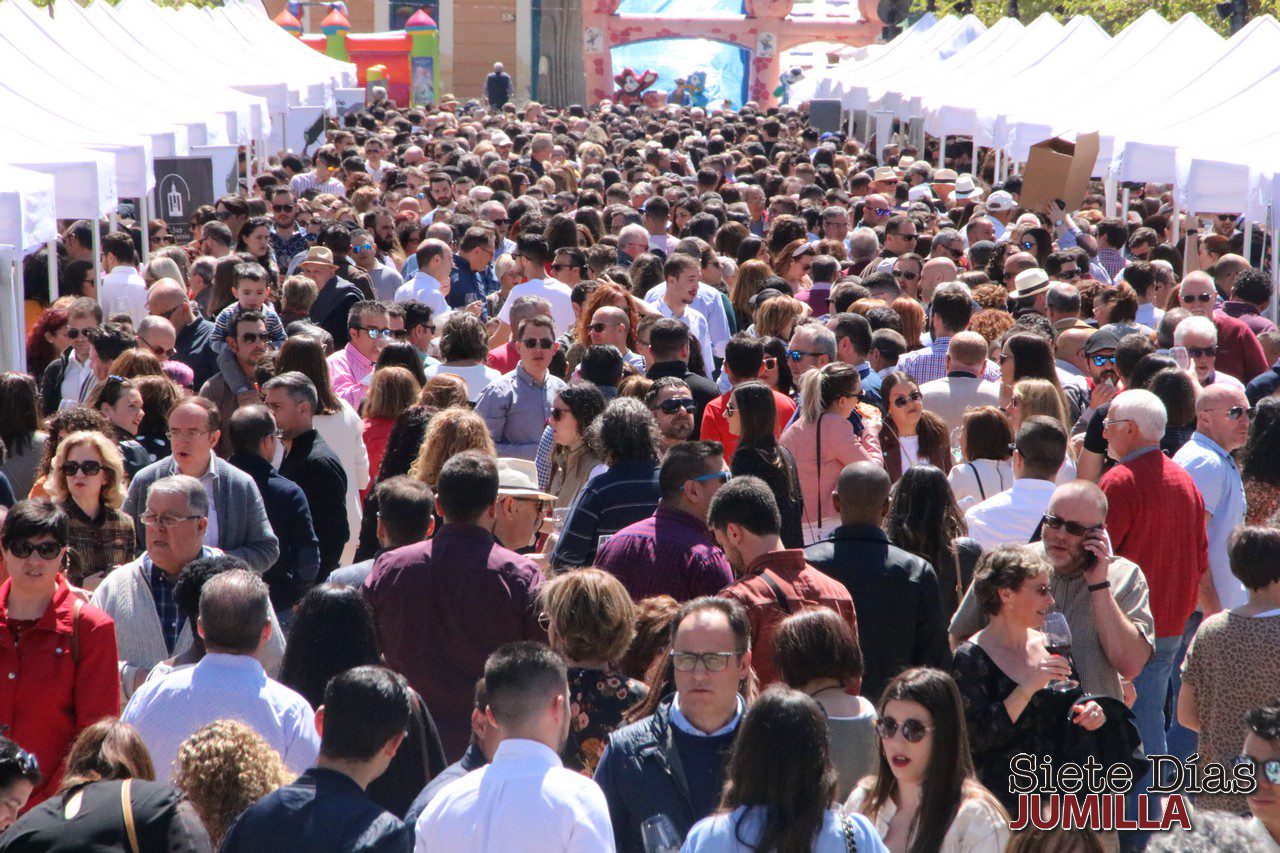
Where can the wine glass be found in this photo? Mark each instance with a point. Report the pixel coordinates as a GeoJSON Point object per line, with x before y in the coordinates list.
{"type": "Point", "coordinates": [1057, 641]}
{"type": "Point", "coordinates": [660, 835]}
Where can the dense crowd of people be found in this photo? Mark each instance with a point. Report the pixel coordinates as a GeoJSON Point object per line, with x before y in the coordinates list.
{"type": "Point", "coordinates": [543, 479]}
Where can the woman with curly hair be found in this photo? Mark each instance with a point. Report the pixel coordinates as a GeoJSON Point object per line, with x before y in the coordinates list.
{"type": "Point", "coordinates": [223, 769]}
{"type": "Point", "coordinates": [991, 323]}
{"type": "Point", "coordinates": [47, 339]}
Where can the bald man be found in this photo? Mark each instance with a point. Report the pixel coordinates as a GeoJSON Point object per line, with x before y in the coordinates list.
{"type": "Point", "coordinates": [1018, 262]}
{"type": "Point", "coordinates": [897, 591]}
{"type": "Point", "coordinates": [936, 271]}
{"type": "Point", "coordinates": [612, 326]}
{"type": "Point", "coordinates": [1070, 350]}
{"type": "Point", "coordinates": [1239, 353]}
{"type": "Point", "coordinates": [963, 387]}
{"type": "Point", "coordinates": [1222, 426]}
{"type": "Point", "coordinates": [192, 344]}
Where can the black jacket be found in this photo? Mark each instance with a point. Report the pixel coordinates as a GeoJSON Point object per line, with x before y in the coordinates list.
{"type": "Point", "coordinates": [331, 308]}
{"type": "Point", "coordinates": [1263, 385]}
{"type": "Point", "coordinates": [704, 390]}
{"type": "Point", "coordinates": [313, 466]}
{"type": "Point", "coordinates": [299, 562]}
{"type": "Point", "coordinates": [900, 619]}
{"type": "Point", "coordinates": [195, 349]}
{"type": "Point", "coordinates": [641, 776]}
{"type": "Point", "coordinates": [51, 383]}
{"type": "Point", "coordinates": [323, 810]}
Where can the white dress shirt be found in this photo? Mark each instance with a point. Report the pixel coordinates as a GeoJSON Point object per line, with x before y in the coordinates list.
{"type": "Point", "coordinates": [123, 290]}
{"type": "Point", "coordinates": [424, 288]}
{"type": "Point", "coordinates": [698, 328]}
{"type": "Point", "coordinates": [169, 710]}
{"type": "Point", "coordinates": [559, 294]}
{"type": "Point", "coordinates": [522, 800]}
{"type": "Point", "coordinates": [75, 381]}
{"type": "Point", "coordinates": [1011, 516]}
{"type": "Point", "coordinates": [708, 303]}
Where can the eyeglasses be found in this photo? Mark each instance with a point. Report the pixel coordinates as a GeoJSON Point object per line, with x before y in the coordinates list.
{"type": "Point", "coordinates": [711, 661]}
{"type": "Point", "coordinates": [363, 247]}
{"type": "Point", "coordinates": [1075, 528]}
{"type": "Point", "coordinates": [23, 548]}
{"type": "Point", "coordinates": [1269, 770]}
{"type": "Point", "coordinates": [799, 355]}
{"type": "Point", "coordinates": [1068, 275]}
{"type": "Point", "coordinates": [1114, 421]}
{"type": "Point", "coordinates": [283, 208]}
{"type": "Point", "coordinates": [1191, 297]}
{"type": "Point", "coordinates": [1102, 360]}
{"type": "Point", "coordinates": [150, 519]}
{"type": "Point", "coordinates": [675, 404]}
{"type": "Point", "coordinates": [913, 397]}
{"type": "Point", "coordinates": [722, 476]}
{"type": "Point", "coordinates": [913, 731]}
{"type": "Point", "coordinates": [374, 334]}
{"type": "Point", "coordinates": [770, 363]}
{"type": "Point", "coordinates": [253, 337]}
{"type": "Point", "coordinates": [500, 221]}
{"type": "Point", "coordinates": [538, 343]}
{"type": "Point", "coordinates": [1235, 413]}
{"type": "Point", "coordinates": [89, 467]}
{"type": "Point", "coordinates": [1201, 352]}
{"type": "Point", "coordinates": [909, 276]}
{"type": "Point", "coordinates": [185, 434]}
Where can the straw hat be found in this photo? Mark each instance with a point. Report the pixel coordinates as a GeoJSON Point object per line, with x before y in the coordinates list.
{"type": "Point", "coordinates": [319, 256]}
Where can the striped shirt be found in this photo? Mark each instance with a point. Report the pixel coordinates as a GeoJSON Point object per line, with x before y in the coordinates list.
{"type": "Point", "coordinates": [930, 363]}
{"type": "Point", "coordinates": [301, 183]}
{"type": "Point", "coordinates": [625, 494]}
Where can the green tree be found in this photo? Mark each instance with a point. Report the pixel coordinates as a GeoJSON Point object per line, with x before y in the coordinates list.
{"type": "Point", "coordinates": [1111, 15]}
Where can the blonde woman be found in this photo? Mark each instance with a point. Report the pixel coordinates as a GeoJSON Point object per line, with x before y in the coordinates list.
{"type": "Point", "coordinates": [778, 316]}
{"type": "Point", "coordinates": [86, 481]}
{"type": "Point", "coordinates": [223, 769]}
{"type": "Point", "coordinates": [508, 274]}
{"type": "Point", "coordinates": [1033, 397]}
{"type": "Point", "coordinates": [747, 282]}
{"type": "Point", "coordinates": [451, 432]}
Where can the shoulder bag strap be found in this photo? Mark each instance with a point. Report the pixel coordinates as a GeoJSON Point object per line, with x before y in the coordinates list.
{"type": "Point", "coordinates": [778, 594]}
{"type": "Point", "coordinates": [981, 491]}
{"type": "Point", "coordinates": [76, 607]}
{"type": "Point", "coordinates": [126, 807]}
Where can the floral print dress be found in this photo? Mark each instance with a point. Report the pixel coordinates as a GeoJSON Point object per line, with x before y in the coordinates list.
{"type": "Point", "coordinates": [597, 701]}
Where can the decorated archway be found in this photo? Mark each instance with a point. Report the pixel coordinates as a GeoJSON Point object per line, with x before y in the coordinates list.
{"type": "Point", "coordinates": [766, 32]}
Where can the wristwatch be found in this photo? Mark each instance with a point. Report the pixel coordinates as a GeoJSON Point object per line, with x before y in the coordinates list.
{"type": "Point", "coordinates": [1094, 587]}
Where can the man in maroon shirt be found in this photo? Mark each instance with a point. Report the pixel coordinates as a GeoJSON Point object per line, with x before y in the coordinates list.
{"type": "Point", "coordinates": [1156, 518]}
{"type": "Point", "coordinates": [444, 605]}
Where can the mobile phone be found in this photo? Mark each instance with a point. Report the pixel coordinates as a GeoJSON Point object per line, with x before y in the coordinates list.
{"type": "Point", "coordinates": [1179, 354]}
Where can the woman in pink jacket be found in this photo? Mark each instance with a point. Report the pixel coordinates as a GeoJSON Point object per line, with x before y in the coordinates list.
{"type": "Point", "coordinates": [833, 429]}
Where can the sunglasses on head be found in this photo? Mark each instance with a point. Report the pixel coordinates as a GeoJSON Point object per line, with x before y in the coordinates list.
{"type": "Point", "coordinates": [1191, 297]}
{"type": "Point", "coordinates": [23, 548]}
{"type": "Point", "coordinates": [1202, 352]}
{"type": "Point", "coordinates": [1101, 360]}
{"type": "Point", "coordinates": [538, 343]}
{"type": "Point", "coordinates": [675, 404]}
{"type": "Point", "coordinates": [89, 467]}
{"type": "Point", "coordinates": [913, 397]}
{"type": "Point", "coordinates": [23, 760]}
{"type": "Point", "coordinates": [1075, 528]}
{"type": "Point", "coordinates": [913, 731]}
{"type": "Point", "coordinates": [1269, 770]}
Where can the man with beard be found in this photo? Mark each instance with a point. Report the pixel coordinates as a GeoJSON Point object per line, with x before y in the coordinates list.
{"type": "Point", "coordinates": [382, 276]}
{"type": "Point", "coordinates": [287, 237]}
{"type": "Point", "coordinates": [673, 406]}
{"type": "Point", "coordinates": [524, 795]}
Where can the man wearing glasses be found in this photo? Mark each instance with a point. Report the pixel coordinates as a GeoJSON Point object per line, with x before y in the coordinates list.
{"type": "Point", "coordinates": [1239, 353]}
{"type": "Point", "coordinates": [140, 595]}
{"type": "Point", "coordinates": [351, 368]}
{"type": "Point", "coordinates": [237, 518]}
{"type": "Point", "coordinates": [248, 342]}
{"type": "Point", "coordinates": [496, 215]}
{"type": "Point", "coordinates": [517, 406]}
{"type": "Point", "coordinates": [521, 509]}
{"type": "Point", "coordinates": [323, 174]}
{"type": "Point", "coordinates": [383, 278]}
{"type": "Point", "coordinates": [472, 278]}
{"type": "Point", "coordinates": [66, 377]}
{"type": "Point", "coordinates": [194, 342]}
{"type": "Point", "coordinates": [287, 237]}
{"type": "Point", "coordinates": [673, 762]}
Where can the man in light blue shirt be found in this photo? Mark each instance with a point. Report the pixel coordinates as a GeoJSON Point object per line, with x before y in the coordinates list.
{"type": "Point", "coordinates": [1222, 425]}
{"type": "Point", "coordinates": [516, 407]}
{"type": "Point", "coordinates": [228, 683]}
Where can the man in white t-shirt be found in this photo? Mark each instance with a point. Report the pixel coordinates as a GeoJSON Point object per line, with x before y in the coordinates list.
{"type": "Point", "coordinates": [1011, 517]}
{"type": "Point", "coordinates": [682, 273]}
{"type": "Point", "coordinates": [532, 256]}
{"type": "Point", "coordinates": [430, 284]}
{"type": "Point", "coordinates": [123, 290]}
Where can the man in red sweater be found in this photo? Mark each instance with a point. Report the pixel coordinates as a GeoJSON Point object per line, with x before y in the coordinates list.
{"type": "Point", "coordinates": [1156, 518]}
{"type": "Point", "coordinates": [743, 358]}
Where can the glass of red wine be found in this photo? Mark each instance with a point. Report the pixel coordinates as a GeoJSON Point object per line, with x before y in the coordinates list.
{"type": "Point", "coordinates": [1057, 641]}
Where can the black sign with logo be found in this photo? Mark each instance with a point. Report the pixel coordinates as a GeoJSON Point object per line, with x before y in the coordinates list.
{"type": "Point", "coordinates": [182, 185]}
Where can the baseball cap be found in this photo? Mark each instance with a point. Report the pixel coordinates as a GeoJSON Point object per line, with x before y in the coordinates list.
{"type": "Point", "coordinates": [1000, 200]}
{"type": "Point", "coordinates": [1100, 340]}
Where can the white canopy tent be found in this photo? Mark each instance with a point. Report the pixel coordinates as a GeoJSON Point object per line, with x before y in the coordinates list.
{"type": "Point", "coordinates": [911, 42]}
{"type": "Point", "coordinates": [27, 222]}
{"type": "Point", "coordinates": [936, 45]}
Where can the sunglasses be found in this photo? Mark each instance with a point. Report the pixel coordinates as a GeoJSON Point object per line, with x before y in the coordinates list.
{"type": "Point", "coordinates": [558, 267]}
{"type": "Point", "coordinates": [538, 343]}
{"type": "Point", "coordinates": [722, 476]}
{"type": "Point", "coordinates": [913, 397]}
{"type": "Point", "coordinates": [909, 276]}
{"type": "Point", "coordinates": [282, 208]}
{"type": "Point", "coordinates": [363, 247]}
{"type": "Point", "coordinates": [798, 355]}
{"type": "Point", "coordinates": [253, 337]}
{"type": "Point", "coordinates": [1028, 244]}
{"type": "Point", "coordinates": [711, 661]}
{"type": "Point", "coordinates": [1191, 297]}
{"type": "Point", "coordinates": [1075, 528]}
{"type": "Point", "coordinates": [1201, 352]}
{"type": "Point", "coordinates": [500, 221]}
{"type": "Point", "coordinates": [600, 327]}
{"type": "Point", "coordinates": [375, 334]}
{"type": "Point", "coordinates": [913, 731]}
{"type": "Point", "coordinates": [22, 548]}
{"type": "Point", "coordinates": [558, 415]}
{"type": "Point", "coordinates": [1235, 413]}
{"type": "Point", "coordinates": [1100, 360]}
{"type": "Point", "coordinates": [770, 363]}
{"type": "Point", "coordinates": [675, 404]}
{"type": "Point", "coordinates": [75, 333]}
{"type": "Point", "coordinates": [90, 468]}
{"type": "Point", "coordinates": [400, 334]}
{"type": "Point", "coordinates": [1269, 770]}
{"type": "Point", "coordinates": [223, 214]}
{"type": "Point", "coordinates": [1068, 275]}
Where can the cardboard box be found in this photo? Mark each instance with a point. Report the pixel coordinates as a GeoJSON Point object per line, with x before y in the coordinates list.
{"type": "Point", "coordinates": [1058, 169]}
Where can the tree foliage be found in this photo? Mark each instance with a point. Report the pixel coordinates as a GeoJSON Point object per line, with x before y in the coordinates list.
{"type": "Point", "coordinates": [1111, 15]}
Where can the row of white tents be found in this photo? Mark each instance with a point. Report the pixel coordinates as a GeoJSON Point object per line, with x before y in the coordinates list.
{"type": "Point", "coordinates": [1174, 103]}
{"type": "Point", "coordinates": [91, 95]}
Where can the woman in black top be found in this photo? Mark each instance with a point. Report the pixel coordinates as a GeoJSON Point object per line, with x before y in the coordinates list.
{"type": "Point", "coordinates": [752, 415]}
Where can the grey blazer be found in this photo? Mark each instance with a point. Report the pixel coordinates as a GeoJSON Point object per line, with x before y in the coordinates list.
{"type": "Point", "coordinates": [243, 529]}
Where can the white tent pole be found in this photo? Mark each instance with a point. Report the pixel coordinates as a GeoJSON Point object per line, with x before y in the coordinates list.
{"type": "Point", "coordinates": [942, 152]}
{"type": "Point", "coordinates": [1275, 264]}
{"type": "Point", "coordinates": [997, 164]}
{"type": "Point", "coordinates": [17, 352]}
{"type": "Point", "coordinates": [1248, 238]}
{"type": "Point", "coordinates": [1124, 205]}
{"type": "Point", "coordinates": [52, 248]}
{"type": "Point", "coordinates": [112, 221]}
{"type": "Point", "coordinates": [1177, 218]}
{"type": "Point", "coordinates": [144, 213]}
{"type": "Point", "coordinates": [97, 256]}
{"type": "Point", "coordinates": [1109, 192]}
